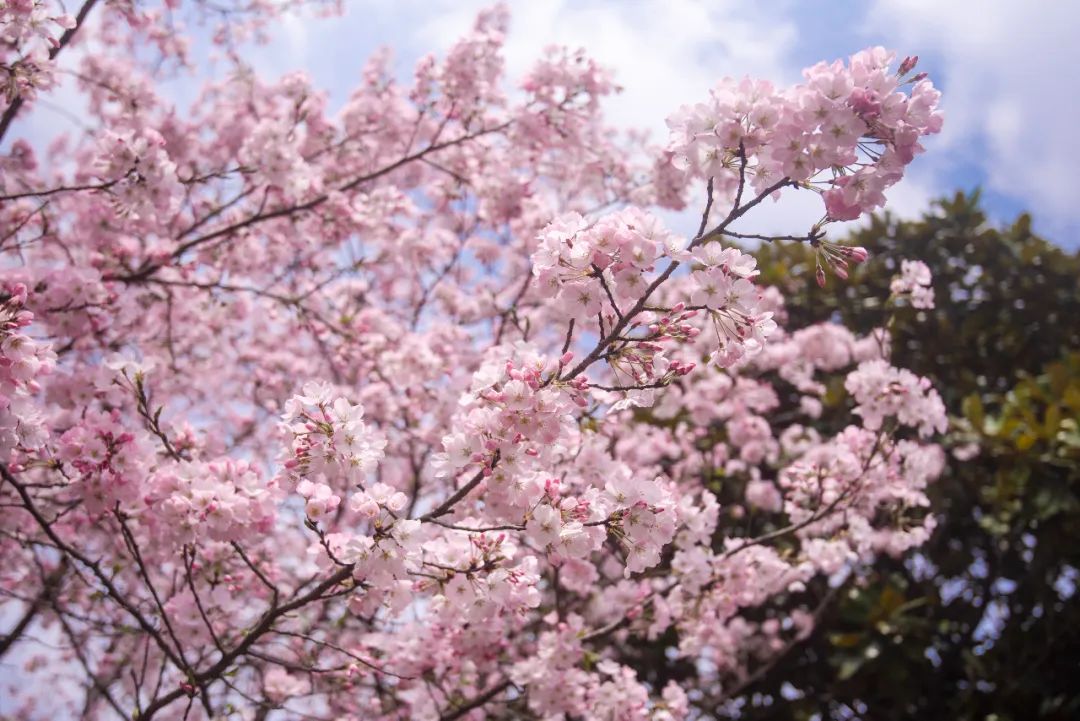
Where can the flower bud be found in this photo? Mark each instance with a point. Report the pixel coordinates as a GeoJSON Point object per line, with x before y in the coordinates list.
{"type": "Point", "coordinates": [856, 254]}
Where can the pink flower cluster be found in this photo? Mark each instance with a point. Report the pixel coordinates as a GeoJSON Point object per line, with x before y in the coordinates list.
{"type": "Point", "coordinates": [597, 270]}
{"type": "Point", "coordinates": [109, 462]}
{"type": "Point", "coordinates": [882, 391]}
{"type": "Point", "coordinates": [331, 441]}
{"type": "Point", "coordinates": [848, 130]}
{"type": "Point", "coordinates": [140, 175]}
{"type": "Point", "coordinates": [223, 500]}
{"type": "Point", "coordinates": [23, 363]}
{"type": "Point", "coordinates": [575, 258]}
{"type": "Point", "coordinates": [29, 30]}
{"type": "Point", "coordinates": [613, 691]}
{"type": "Point", "coordinates": [740, 323]}
{"type": "Point", "coordinates": [914, 283]}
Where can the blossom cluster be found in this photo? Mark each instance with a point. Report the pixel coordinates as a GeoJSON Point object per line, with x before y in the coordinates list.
{"type": "Point", "coordinates": [29, 30]}
{"type": "Point", "coordinates": [576, 257]}
{"type": "Point", "coordinates": [882, 391]}
{"type": "Point", "coordinates": [561, 687]}
{"type": "Point", "coordinates": [332, 444]}
{"type": "Point", "coordinates": [140, 176]}
{"type": "Point", "coordinates": [23, 361]}
{"type": "Point", "coordinates": [849, 130]}
{"type": "Point", "coordinates": [914, 283]}
{"type": "Point", "coordinates": [223, 500]}
{"type": "Point", "coordinates": [598, 270]}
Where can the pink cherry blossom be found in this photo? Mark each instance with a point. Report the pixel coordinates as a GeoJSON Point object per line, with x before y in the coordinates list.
{"type": "Point", "coordinates": [417, 409]}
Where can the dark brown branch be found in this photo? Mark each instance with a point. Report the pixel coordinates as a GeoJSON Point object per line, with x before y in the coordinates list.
{"type": "Point", "coordinates": [55, 191]}
{"type": "Point", "coordinates": [50, 587]}
{"type": "Point", "coordinates": [263, 626]}
{"type": "Point", "coordinates": [94, 566]}
{"type": "Point", "coordinates": [446, 506]}
{"type": "Point", "coordinates": [475, 702]}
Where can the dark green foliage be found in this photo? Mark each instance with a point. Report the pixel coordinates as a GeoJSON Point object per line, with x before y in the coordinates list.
{"type": "Point", "coordinates": [982, 623]}
{"type": "Point", "coordinates": [1007, 300]}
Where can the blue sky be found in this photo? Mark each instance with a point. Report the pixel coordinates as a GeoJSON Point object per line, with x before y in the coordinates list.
{"type": "Point", "coordinates": [1007, 68]}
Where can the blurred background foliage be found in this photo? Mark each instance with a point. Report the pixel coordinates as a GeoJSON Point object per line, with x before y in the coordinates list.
{"type": "Point", "coordinates": [984, 621]}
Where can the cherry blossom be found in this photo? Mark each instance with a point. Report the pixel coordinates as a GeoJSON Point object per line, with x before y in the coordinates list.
{"type": "Point", "coordinates": [914, 284]}
{"type": "Point", "coordinates": [415, 407]}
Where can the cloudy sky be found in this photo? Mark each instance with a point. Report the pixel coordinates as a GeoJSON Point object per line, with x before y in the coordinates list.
{"type": "Point", "coordinates": [1007, 68]}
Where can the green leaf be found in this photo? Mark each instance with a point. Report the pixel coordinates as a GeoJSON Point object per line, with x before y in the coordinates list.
{"type": "Point", "coordinates": [973, 411]}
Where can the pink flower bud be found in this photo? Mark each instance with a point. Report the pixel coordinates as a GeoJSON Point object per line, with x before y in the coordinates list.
{"type": "Point", "coordinates": [566, 357]}
{"type": "Point", "coordinates": [856, 254]}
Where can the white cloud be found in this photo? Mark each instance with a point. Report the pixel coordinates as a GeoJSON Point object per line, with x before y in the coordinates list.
{"type": "Point", "coordinates": [663, 54]}
{"type": "Point", "coordinates": [1012, 97]}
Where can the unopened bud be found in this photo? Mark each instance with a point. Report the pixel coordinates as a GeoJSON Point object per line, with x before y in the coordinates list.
{"type": "Point", "coordinates": [908, 65]}
{"type": "Point", "coordinates": [820, 275]}
{"type": "Point", "coordinates": [856, 254]}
